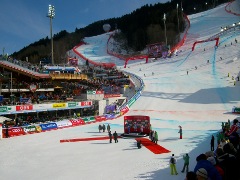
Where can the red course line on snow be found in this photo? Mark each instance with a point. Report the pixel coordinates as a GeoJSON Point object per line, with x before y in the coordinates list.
{"type": "Point", "coordinates": [155, 148]}
{"type": "Point", "coordinates": [85, 139]}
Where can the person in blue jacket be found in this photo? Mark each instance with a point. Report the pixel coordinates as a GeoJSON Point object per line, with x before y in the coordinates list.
{"type": "Point", "coordinates": [202, 162]}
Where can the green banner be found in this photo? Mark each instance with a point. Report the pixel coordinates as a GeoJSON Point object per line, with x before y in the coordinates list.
{"type": "Point", "coordinates": [130, 103]}
{"type": "Point", "coordinates": [91, 92]}
{"type": "Point", "coordinates": [88, 119]}
{"type": "Point", "coordinates": [3, 108]}
{"type": "Point", "coordinates": [237, 109]}
{"type": "Point", "coordinates": [72, 104]}
{"type": "Point", "coordinates": [30, 129]}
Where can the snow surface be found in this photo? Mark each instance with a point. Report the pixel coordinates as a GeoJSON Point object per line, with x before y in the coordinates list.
{"type": "Point", "coordinates": [199, 102]}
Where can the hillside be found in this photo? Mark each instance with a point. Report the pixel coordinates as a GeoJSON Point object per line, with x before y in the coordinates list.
{"type": "Point", "coordinates": [141, 27]}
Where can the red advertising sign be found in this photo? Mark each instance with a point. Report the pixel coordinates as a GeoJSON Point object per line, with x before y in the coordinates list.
{"type": "Point", "coordinates": [99, 92]}
{"type": "Point", "coordinates": [111, 95]}
{"type": "Point", "coordinates": [77, 122]}
{"type": "Point", "coordinates": [100, 118]}
{"type": "Point", "coordinates": [16, 131]}
{"type": "Point", "coordinates": [85, 103]}
{"type": "Point", "coordinates": [24, 107]}
{"type": "Point", "coordinates": [124, 110]}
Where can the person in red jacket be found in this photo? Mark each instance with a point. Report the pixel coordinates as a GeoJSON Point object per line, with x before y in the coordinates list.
{"type": "Point", "coordinates": [233, 128]}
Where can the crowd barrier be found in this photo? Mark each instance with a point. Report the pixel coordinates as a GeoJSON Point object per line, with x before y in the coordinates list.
{"type": "Point", "coordinates": [44, 127]}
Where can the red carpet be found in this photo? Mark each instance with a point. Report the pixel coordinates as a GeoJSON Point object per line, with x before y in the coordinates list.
{"type": "Point", "coordinates": [85, 139]}
{"type": "Point", "coordinates": [155, 148]}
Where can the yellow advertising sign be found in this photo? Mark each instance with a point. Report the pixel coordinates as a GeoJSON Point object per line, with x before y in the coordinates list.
{"type": "Point", "coordinates": [59, 105]}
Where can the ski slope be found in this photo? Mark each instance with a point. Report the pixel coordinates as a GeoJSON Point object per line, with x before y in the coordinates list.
{"type": "Point", "coordinates": [199, 102]}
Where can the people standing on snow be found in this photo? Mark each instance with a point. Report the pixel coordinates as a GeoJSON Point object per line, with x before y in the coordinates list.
{"type": "Point", "coordinates": [100, 127]}
{"type": "Point", "coordinates": [141, 129]}
{"type": "Point", "coordinates": [155, 137]}
{"type": "Point", "coordinates": [115, 137]}
{"type": "Point", "coordinates": [108, 127]}
{"type": "Point", "coordinates": [212, 143]}
{"type": "Point", "coordinates": [139, 144]}
{"type": "Point", "coordinates": [186, 163]}
{"type": "Point", "coordinates": [172, 163]}
{"type": "Point", "coordinates": [110, 136]}
{"type": "Point", "coordinates": [103, 127]}
{"type": "Point", "coordinates": [180, 131]}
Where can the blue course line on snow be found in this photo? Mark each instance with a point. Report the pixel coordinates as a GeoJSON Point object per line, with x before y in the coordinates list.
{"type": "Point", "coordinates": [184, 59]}
{"type": "Point", "coordinates": [220, 92]}
{"type": "Point", "coordinates": [93, 50]}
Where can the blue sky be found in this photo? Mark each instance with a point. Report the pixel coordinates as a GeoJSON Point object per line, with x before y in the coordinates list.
{"type": "Point", "coordinates": [24, 21]}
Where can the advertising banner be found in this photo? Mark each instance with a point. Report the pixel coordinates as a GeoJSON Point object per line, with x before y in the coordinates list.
{"type": "Point", "coordinates": [131, 101]}
{"type": "Point", "coordinates": [24, 107]}
{"type": "Point", "coordinates": [109, 116]}
{"type": "Point", "coordinates": [15, 131]}
{"type": "Point", "coordinates": [49, 126]}
{"type": "Point", "coordinates": [59, 105]}
{"type": "Point", "coordinates": [95, 92]}
{"type": "Point", "coordinates": [124, 110]}
{"type": "Point", "coordinates": [72, 104]}
{"type": "Point", "coordinates": [111, 95]}
{"type": "Point", "coordinates": [3, 108]}
{"type": "Point", "coordinates": [77, 122]}
{"type": "Point", "coordinates": [85, 103]}
{"type": "Point", "coordinates": [63, 124]}
{"type": "Point", "coordinates": [0, 131]}
{"type": "Point", "coordinates": [89, 119]}
{"type": "Point", "coordinates": [30, 129]}
{"type": "Point", "coordinates": [100, 118]}
{"type": "Point", "coordinates": [24, 100]}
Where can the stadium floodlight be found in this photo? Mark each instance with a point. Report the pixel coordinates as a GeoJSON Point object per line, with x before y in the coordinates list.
{"type": "Point", "coordinates": [164, 20]}
{"type": "Point", "coordinates": [178, 20]}
{"type": "Point", "coordinates": [51, 14]}
{"type": "Point", "coordinates": [234, 24]}
{"type": "Point", "coordinates": [222, 29]}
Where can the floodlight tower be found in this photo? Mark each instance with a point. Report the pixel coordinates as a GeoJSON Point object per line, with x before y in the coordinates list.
{"type": "Point", "coordinates": [164, 20]}
{"type": "Point", "coordinates": [178, 20]}
{"type": "Point", "coordinates": [51, 14]}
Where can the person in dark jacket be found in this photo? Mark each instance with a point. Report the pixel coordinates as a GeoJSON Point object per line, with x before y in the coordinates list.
{"type": "Point", "coordinates": [110, 136]}
{"type": "Point", "coordinates": [202, 162]}
{"type": "Point", "coordinates": [212, 143]}
{"type": "Point", "coordinates": [139, 144]}
{"type": "Point", "coordinates": [104, 127]}
{"type": "Point", "coordinates": [228, 163]}
{"type": "Point", "coordinates": [115, 137]}
{"type": "Point", "coordinates": [6, 132]}
{"type": "Point", "coordinates": [180, 132]}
